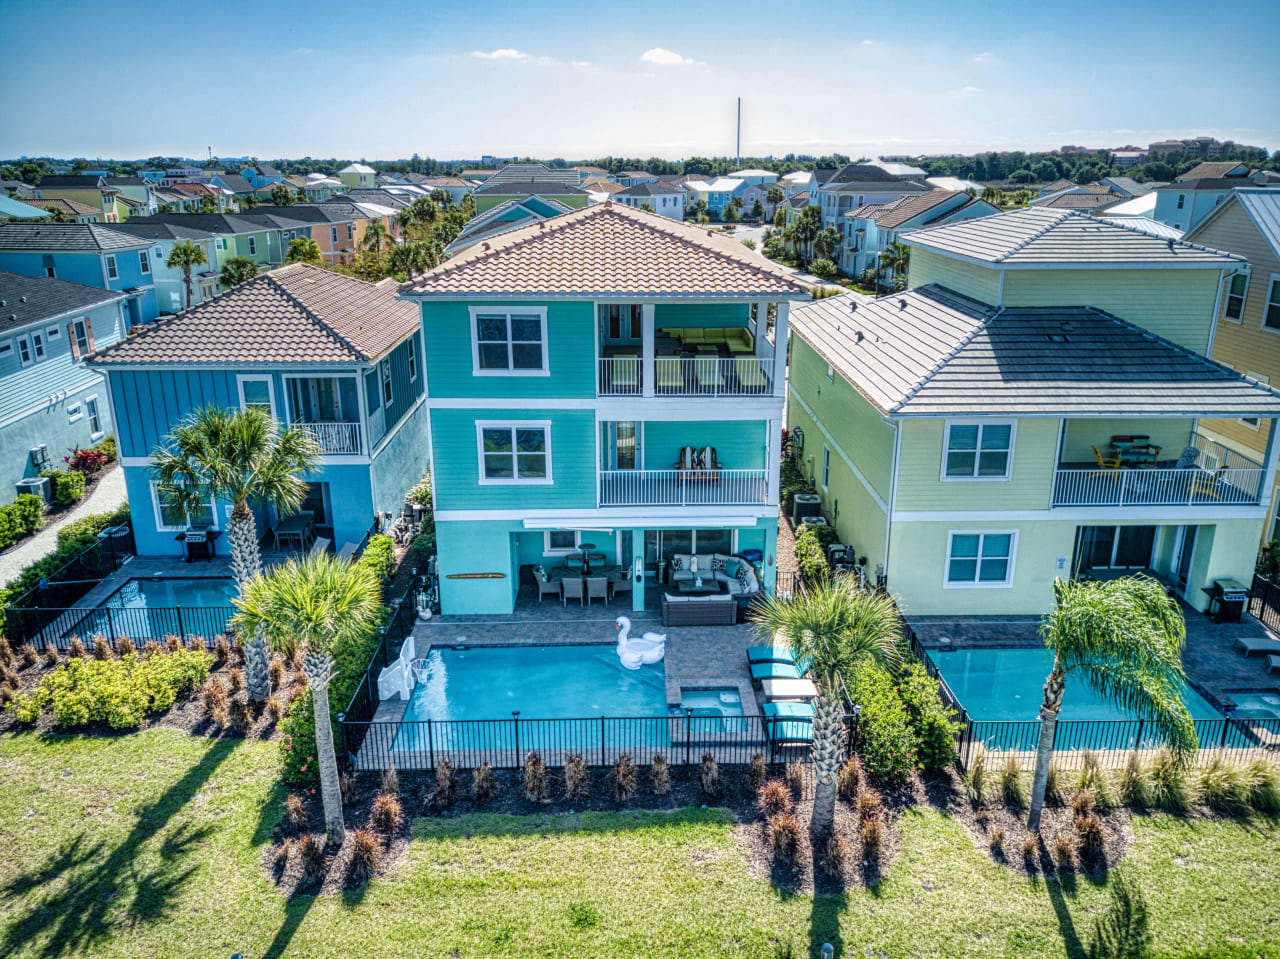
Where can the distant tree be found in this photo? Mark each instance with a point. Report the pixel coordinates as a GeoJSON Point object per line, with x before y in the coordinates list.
{"type": "Point", "coordinates": [703, 219]}
{"type": "Point", "coordinates": [442, 198]}
{"type": "Point", "coordinates": [208, 204]}
{"type": "Point", "coordinates": [1022, 176]}
{"type": "Point", "coordinates": [823, 268]}
{"type": "Point", "coordinates": [749, 244]}
{"type": "Point", "coordinates": [1045, 171]}
{"type": "Point", "coordinates": [184, 256]}
{"type": "Point", "coordinates": [375, 236]}
{"type": "Point", "coordinates": [281, 195]}
{"type": "Point", "coordinates": [237, 270]}
{"type": "Point", "coordinates": [805, 231]}
{"type": "Point", "coordinates": [757, 210]}
{"type": "Point", "coordinates": [992, 195]}
{"type": "Point", "coordinates": [248, 201]}
{"type": "Point", "coordinates": [166, 208]}
{"type": "Point", "coordinates": [730, 214]}
{"type": "Point", "coordinates": [303, 249]}
{"type": "Point", "coordinates": [57, 214]}
{"type": "Point", "coordinates": [647, 207]}
{"type": "Point", "coordinates": [1158, 170]}
{"type": "Point", "coordinates": [775, 195]}
{"type": "Point", "coordinates": [826, 243]}
{"type": "Point", "coordinates": [780, 217]}
{"type": "Point", "coordinates": [896, 260]}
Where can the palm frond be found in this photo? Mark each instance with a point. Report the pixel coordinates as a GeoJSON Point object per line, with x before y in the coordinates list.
{"type": "Point", "coordinates": [1147, 695]}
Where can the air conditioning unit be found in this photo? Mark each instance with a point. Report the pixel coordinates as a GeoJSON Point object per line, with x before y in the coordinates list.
{"type": "Point", "coordinates": [36, 486]}
{"type": "Point", "coordinates": [805, 506]}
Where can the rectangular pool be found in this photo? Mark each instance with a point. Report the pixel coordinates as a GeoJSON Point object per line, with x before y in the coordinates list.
{"type": "Point", "coordinates": [712, 709]}
{"type": "Point", "coordinates": [154, 607]}
{"type": "Point", "coordinates": [167, 591]}
{"type": "Point", "coordinates": [459, 686]}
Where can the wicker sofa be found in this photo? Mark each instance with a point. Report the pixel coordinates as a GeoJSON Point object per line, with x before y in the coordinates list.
{"type": "Point", "coordinates": [718, 610]}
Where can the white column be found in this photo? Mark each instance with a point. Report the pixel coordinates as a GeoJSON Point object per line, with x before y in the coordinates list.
{"type": "Point", "coordinates": [773, 458]}
{"type": "Point", "coordinates": [781, 327]}
{"type": "Point", "coordinates": [762, 328]}
{"type": "Point", "coordinates": [648, 375]}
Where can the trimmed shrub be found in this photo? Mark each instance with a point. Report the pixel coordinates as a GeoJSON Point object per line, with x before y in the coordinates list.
{"type": "Point", "coordinates": [888, 745]}
{"type": "Point", "coordinates": [756, 772]}
{"type": "Point", "coordinates": [811, 554]}
{"type": "Point", "coordinates": [932, 720]}
{"type": "Point", "coordinates": [660, 776]}
{"type": "Point", "coordinates": [534, 777]}
{"type": "Point", "coordinates": [622, 779]}
{"type": "Point", "coordinates": [20, 518]}
{"type": "Point", "coordinates": [872, 836]}
{"type": "Point", "coordinates": [849, 779]}
{"type": "Point", "coordinates": [869, 804]}
{"type": "Point", "coordinates": [795, 779]}
{"type": "Point", "coordinates": [385, 812]}
{"type": "Point", "coordinates": [364, 855]}
{"type": "Point", "coordinates": [823, 269]}
{"type": "Point", "coordinates": [575, 778]}
{"type": "Point", "coordinates": [709, 776]}
{"type": "Point", "coordinates": [311, 854]}
{"type": "Point", "coordinates": [379, 556]}
{"type": "Point", "coordinates": [296, 816]}
{"type": "Point", "coordinates": [446, 788]}
{"type": "Point", "coordinates": [1012, 789]}
{"type": "Point", "coordinates": [68, 486]}
{"type": "Point", "coordinates": [1092, 836]}
{"type": "Point", "coordinates": [836, 855]}
{"type": "Point", "coordinates": [1169, 787]}
{"type": "Point", "coordinates": [773, 797]}
{"type": "Point", "coordinates": [28, 655]}
{"type": "Point", "coordinates": [784, 836]}
{"type": "Point", "coordinates": [73, 539]}
{"type": "Point", "coordinates": [483, 785]}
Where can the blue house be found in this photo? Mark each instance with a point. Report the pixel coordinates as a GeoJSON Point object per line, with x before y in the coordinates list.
{"type": "Point", "coordinates": [602, 377]}
{"type": "Point", "coordinates": [86, 253]}
{"type": "Point", "coordinates": [49, 401]}
{"type": "Point", "coordinates": [337, 355]}
{"type": "Point", "coordinates": [261, 174]}
{"type": "Point", "coordinates": [870, 230]}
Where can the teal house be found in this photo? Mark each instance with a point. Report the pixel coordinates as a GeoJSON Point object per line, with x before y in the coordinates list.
{"type": "Point", "coordinates": [606, 381]}
{"type": "Point", "coordinates": [338, 356]}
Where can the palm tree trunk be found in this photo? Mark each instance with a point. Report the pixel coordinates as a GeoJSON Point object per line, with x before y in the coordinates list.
{"type": "Point", "coordinates": [828, 726]}
{"type": "Point", "coordinates": [242, 532]}
{"type": "Point", "coordinates": [186, 279]}
{"type": "Point", "coordinates": [257, 667]}
{"type": "Point", "coordinates": [318, 668]}
{"type": "Point", "coordinates": [1053, 687]}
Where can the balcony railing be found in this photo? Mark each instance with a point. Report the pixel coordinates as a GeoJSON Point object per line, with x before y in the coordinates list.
{"type": "Point", "coordinates": [684, 487]}
{"type": "Point", "coordinates": [688, 376]}
{"type": "Point", "coordinates": [335, 437]}
{"type": "Point", "coordinates": [1156, 487]}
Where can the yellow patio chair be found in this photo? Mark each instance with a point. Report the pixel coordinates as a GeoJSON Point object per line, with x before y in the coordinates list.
{"type": "Point", "coordinates": [1208, 485]}
{"type": "Point", "coordinates": [750, 375]}
{"type": "Point", "coordinates": [1108, 466]}
{"type": "Point", "coordinates": [669, 376]}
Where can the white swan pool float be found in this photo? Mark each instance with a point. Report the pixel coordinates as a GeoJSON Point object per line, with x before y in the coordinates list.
{"type": "Point", "coordinates": [649, 648]}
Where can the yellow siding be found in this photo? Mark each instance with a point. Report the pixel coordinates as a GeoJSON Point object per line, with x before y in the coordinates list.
{"type": "Point", "coordinates": [1175, 304]}
{"type": "Point", "coordinates": [1171, 435]}
{"type": "Point", "coordinates": [920, 486]}
{"type": "Point", "coordinates": [980, 282]}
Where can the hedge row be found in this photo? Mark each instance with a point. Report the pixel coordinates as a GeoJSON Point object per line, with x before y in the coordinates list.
{"type": "Point", "coordinates": [791, 481]}
{"type": "Point", "coordinates": [903, 721]}
{"type": "Point", "coordinates": [19, 519]}
{"type": "Point", "coordinates": [73, 539]}
{"type": "Point", "coordinates": [67, 486]}
{"type": "Point", "coordinates": [811, 552]}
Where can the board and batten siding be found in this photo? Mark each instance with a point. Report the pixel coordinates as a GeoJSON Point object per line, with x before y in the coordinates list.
{"type": "Point", "coordinates": [571, 346]}
{"type": "Point", "coordinates": [739, 444]}
{"type": "Point", "coordinates": [1175, 304]}
{"type": "Point", "coordinates": [979, 282]}
{"type": "Point", "coordinates": [706, 316]}
{"type": "Point", "coordinates": [456, 469]}
{"type": "Point", "coordinates": [920, 486]}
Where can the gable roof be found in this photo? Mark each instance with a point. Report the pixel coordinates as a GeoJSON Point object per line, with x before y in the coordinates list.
{"type": "Point", "coordinates": [225, 223]}
{"type": "Point", "coordinates": [721, 184]}
{"type": "Point", "coordinates": [1215, 170]}
{"type": "Point", "coordinates": [861, 173]}
{"type": "Point", "coordinates": [888, 185]}
{"type": "Point", "coordinates": [356, 168]}
{"type": "Point", "coordinates": [650, 188]}
{"type": "Point", "coordinates": [933, 352]}
{"type": "Point", "coordinates": [127, 181]}
{"type": "Point", "coordinates": [1072, 200]}
{"type": "Point", "coordinates": [903, 209]}
{"type": "Point", "coordinates": [528, 188]}
{"type": "Point", "coordinates": [1036, 237]}
{"type": "Point", "coordinates": [525, 172]}
{"type": "Point", "coordinates": [236, 183]}
{"type": "Point", "coordinates": [264, 169]}
{"type": "Point", "coordinates": [160, 231]}
{"type": "Point", "coordinates": [297, 314]}
{"type": "Point", "coordinates": [83, 181]}
{"type": "Point", "coordinates": [597, 184]}
{"type": "Point", "coordinates": [1128, 185]}
{"type": "Point", "coordinates": [1261, 204]}
{"type": "Point", "coordinates": [31, 299]}
{"type": "Point", "coordinates": [71, 237]}
{"type": "Point", "coordinates": [73, 207]}
{"type": "Point", "coordinates": [607, 249]}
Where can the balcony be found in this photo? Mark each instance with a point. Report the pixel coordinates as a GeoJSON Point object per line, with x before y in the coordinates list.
{"type": "Point", "coordinates": [1206, 474]}
{"type": "Point", "coordinates": [684, 487]}
{"type": "Point", "coordinates": [335, 437]}
{"type": "Point", "coordinates": [687, 376]}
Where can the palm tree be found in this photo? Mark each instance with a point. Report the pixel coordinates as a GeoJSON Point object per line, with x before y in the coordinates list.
{"type": "Point", "coordinates": [57, 215]}
{"type": "Point", "coordinates": [803, 233]}
{"type": "Point", "coordinates": [442, 197]}
{"type": "Point", "coordinates": [1124, 639]}
{"type": "Point", "coordinates": [897, 259]}
{"type": "Point", "coordinates": [826, 243]}
{"type": "Point", "coordinates": [375, 236]}
{"type": "Point", "coordinates": [183, 257]}
{"type": "Point", "coordinates": [237, 270]}
{"type": "Point", "coordinates": [832, 625]}
{"type": "Point", "coordinates": [208, 204]}
{"type": "Point", "coordinates": [312, 604]}
{"type": "Point", "coordinates": [243, 457]}
{"type": "Point", "coordinates": [281, 195]}
{"type": "Point", "coordinates": [303, 249]}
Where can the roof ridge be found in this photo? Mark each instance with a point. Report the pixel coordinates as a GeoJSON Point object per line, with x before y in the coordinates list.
{"type": "Point", "coordinates": [322, 324]}
{"type": "Point", "coordinates": [1113, 221]}
{"type": "Point", "coordinates": [1057, 221]}
{"type": "Point", "coordinates": [951, 354]}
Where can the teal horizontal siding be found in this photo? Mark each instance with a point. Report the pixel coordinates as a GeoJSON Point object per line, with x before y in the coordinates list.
{"type": "Point", "coordinates": [456, 469]}
{"type": "Point", "coordinates": [710, 315]}
{"type": "Point", "coordinates": [739, 444]}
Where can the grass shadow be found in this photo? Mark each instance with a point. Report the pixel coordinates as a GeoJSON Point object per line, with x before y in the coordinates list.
{"type": "Point", "coordinates": [75, 917]}
{"type": "Point", "coordinates": [824, 924]}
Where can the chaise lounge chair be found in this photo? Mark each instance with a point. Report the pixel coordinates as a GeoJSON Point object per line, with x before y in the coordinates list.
{"type": "Point", "coordinates": [750, 375]}
{"type": "Point", "coordinates": [789, 732]}
{"type": "Point", "coordinates": [625, 373]}
{"type": "Point", "coordinates": [776, 670]}
{"type": "Point", "coordinates": [788, 710]}
{"type": "Point", "coordinates": [1258, 644]}
{"type": "Point", "coordinates": [769, 654]}
{"type": "Point", "coordinates": [670, 377]}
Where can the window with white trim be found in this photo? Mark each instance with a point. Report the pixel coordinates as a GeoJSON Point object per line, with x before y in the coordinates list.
{"type": "Point", "coordinates": [1271, 309]}
{"type": "Point", "coordinates": [977, 451]}
{"type": "Point", "coordinates": [384, 372]}
{"type": "Point", "coordinates": [52, 332]}
{"type": "Point", "coordinates": [1236, 290]}
{"type": "Point", "coordinates": [253, 246]}
{"type": "Point", "coordinates": [144, 262]}
{"type": "Point", "coordinates": [24, 351]}
{"type": "Point", "coordinates": [351, 231]}
{"type": "Point", "coordinates": [510, 341]}
{"type": "Point", "coordinates": [413, 358]}
{"type": "Point", "coordinates": [333, 234]}
{"type": "Point", "coordinates": [517, 452]}
{"type": "Point", "coordinates": [112, 272]}
{"type": "Point", "coordinates": [980, 559]}
{"type": "Point", "coordinates": [74, 412]}
{"type": "Point", "coordinates": [257, 392]}
{"type": "Point", "coordinates": [95, 415]}
{"type": "Point", "coordinates": [6, 348]}
{"type": "Point", "coordinates": [81, 331]}
{"type": "Point", "coordinates": [37, 345]}
{"type": "Point", "coordinates": [560, 541]}
{"type": "Point", "coordinates": [171, 517]}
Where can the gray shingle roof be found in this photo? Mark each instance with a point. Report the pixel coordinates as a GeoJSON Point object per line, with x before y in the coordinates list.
{"type": "Point", "coordinates": [528, 188]}
{"type": "Point", "coordinates": [1036, 237]}
{"type": "Point", "coordinates": [212, 222]}
{"type": "Point", "coordinates": [298, 314]}
{"type": "Point", "coordinates": [236, 183]}
{"type": "Point", "coordinates": [45, 298]}
{"type": "Point", "coordinates": [161, 231]}
{"type": "Point", "coordinates": [523, 172]}
{"type": "Point", "coordinates": [649, 188]}
{"type": "Point", "coordinates": [932, 352]}
{"type": "Point", "coordinates": [81, 180]}
{"type": "Point", "coordinates": [86, 237]}
{"type": "Point", "coordinates": [898, 212]}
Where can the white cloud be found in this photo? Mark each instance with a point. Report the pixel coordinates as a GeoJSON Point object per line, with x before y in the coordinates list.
{"type": "Point", "coordinates": [505, 53]}
{"type": "Point", "coordinates": [984, 57]}
{"type": "Point", "coordinates": [868, 43]}
{"type": "Point", "coordinates": [966, 91]}
{"type": "Point", "coordinates": [662, 57]}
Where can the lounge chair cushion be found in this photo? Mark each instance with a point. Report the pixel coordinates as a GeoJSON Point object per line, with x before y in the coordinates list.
{"type": "Point", "coordinates": [794, 710]}
{"type": "Point", "coordinates": [769, 654]}
{"type": "Point", "coordinates": [774, 671]}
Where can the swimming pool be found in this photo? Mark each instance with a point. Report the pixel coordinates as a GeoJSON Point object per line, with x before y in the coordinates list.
{"type": "Point", "coordinates": [712, 708]}
{"type": "Point", "coordinates": [460, 685]}
{"type": "Point", "coordinates": [155, 607]}
{"type": "Point", "coordinates": [1262, 704]}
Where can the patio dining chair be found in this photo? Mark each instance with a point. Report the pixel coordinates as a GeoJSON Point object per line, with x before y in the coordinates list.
{"type": "Point", "coordinates": [670, 378]}
{"type": "Point", "coordinates": [546, 587]}
{"type": "Point", "coordinates": [1209, 484]}
{"type": "Point", "coordinates": [572, 586]}
{"type": "Point", "coordinates": [622, 585]}
{"type": "Point", "coordinates": [597, 588]}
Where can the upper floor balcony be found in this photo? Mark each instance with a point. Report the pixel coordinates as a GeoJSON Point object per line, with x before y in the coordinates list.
{"type": "Point", "coordinates": [1142, 469]}
{"type": "Point", "coordinates": [327, 407]}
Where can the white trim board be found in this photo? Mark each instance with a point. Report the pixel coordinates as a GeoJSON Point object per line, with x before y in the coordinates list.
{"type": "Point", "coordinates": [1100, 515]}
{"type": "Point", "coordinates": [627, 518]}
{"type": "Point", "coordinates": [664, 408]}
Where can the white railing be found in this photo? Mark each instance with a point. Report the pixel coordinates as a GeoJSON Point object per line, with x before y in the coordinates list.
{"type": "Point", "coordinates": [1214, 455]}
{"type": "Point", "coordinates": [684, 487]}
{"type": "Point", "coordinates": [1156, 487]}
{"type": "Point", "coordinates": [621, 376]}
{"type": "Point", "coordinates": [713, 376]}
{"type": "Point", "coordinates": [335, 437]}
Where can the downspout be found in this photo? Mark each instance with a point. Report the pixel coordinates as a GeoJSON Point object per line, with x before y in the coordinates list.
{"type": "Point", "coordinates": [1223, 276]}
{"type": "Point", "coordinates": [893, 494]}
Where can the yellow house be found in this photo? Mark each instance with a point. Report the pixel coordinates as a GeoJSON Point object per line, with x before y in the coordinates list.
{"type": "Point", "coordinates": [1247, 336]}
{"type": "Point", "coordinates": [358, 176]}
{"type": "Point", "coordinates": [90, 190]}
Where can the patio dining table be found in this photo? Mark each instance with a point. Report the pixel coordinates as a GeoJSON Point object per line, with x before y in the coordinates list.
{"type": "Point", "coordinates": [564, 572]}
{"type": "Point", "coordinates": [298, 528]}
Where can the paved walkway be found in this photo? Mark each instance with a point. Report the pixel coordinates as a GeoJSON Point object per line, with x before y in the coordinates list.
{"type": "Point", "coordinates": [106, 496]}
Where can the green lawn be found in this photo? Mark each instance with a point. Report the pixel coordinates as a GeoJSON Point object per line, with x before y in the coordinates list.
{"type": "Point", "coordinates": [149, 845]}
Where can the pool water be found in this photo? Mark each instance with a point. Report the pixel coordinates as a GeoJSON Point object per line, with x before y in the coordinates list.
{"type": "Point", "coordinates": [1008, 684]}
{"type": "Point", "coordinates": [173, 591]}
{"type": "Point", "coordinates": [155, 607]}
{"type": "Point", "coordinates": [1260, 705]}
{"type": "Point", "coordinates": [714, 709]}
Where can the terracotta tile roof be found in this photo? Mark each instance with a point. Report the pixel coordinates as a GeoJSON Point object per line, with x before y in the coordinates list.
{"type": "Point", "coordinates": [296, 314]}
{"type": "Point", "coordinates": [74, 207]}
{"type": "Point", "coordinates": [608, 250]}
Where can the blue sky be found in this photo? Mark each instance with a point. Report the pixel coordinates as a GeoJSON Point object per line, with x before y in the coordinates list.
{"type": "Point", "coordinates": [382, 80]}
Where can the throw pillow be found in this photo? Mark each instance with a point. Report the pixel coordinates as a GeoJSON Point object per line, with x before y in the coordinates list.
{"type": "Point", "coordinates": [742, 576]}
{"type": "Point", "coordinates": [677, 563]}
{"type": "Point", "coordinates": [718, 563]}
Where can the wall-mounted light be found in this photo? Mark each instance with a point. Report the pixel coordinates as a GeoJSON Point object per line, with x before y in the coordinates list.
{"type": "Point", "coordinates": [769, 559]}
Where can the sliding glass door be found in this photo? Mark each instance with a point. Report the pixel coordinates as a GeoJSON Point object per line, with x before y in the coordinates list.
{"type": "Point", "coordinates": [1114, 547]}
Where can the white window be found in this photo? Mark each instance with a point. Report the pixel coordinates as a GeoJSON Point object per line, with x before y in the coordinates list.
{"type": "Point", "coordinates": [977, 451]}
{"type": "Point", "coordinates": [95, 416]}
{"type": "Point", "coordinates": [112, 272]}
{"type": "Point", "coordinates": [826, 467]}
{"type": "Point", "coordinates": [144, 262]}
{"type": "Point", "coordinates": [1271, 309]}
{"type": "Point", "coordinates": [159, 254]}
{"type": "Point", "coordinates": [384, 374]}
{"type": "Point", "coordinates": [333, 234]}
{"type": "Point", "coordinates": [560, 541]}
{"type": "Point", "coordinates": [253, 246]}
{"type": "Point", "coordinates": [222, 243]}
{"type": "Point", "coordinates": [1236, 290]}
{"type": "Point", "coordinates": [512, 342]}
{"type": "Point", "coordinates": [831, 373]}
{"type": "Point", "coordinates": [413, 358]}
{"type": "Point", "coordinates": [24, 351]}
{"type": "Point", "coordinates": [74, 412]}
{"type": "Point", "coordinates": [171, 517]}
{"type": "Point", "coordinates": [52, 332]}
{"type": "Point", "coordinates": [351, 231]}
{"type": "Point", "coordinates": [980, 560]}
{"type": "Point", "coordinates": [37, 344]}
{"type": "Point", "coordinates": [81, 331]}
{"type": "Point", "coordinates": [257, 392]}
{"type": "Point", "coordinates": [516, 452]}
{"type": "Point", "coordinates": [6, 348]}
